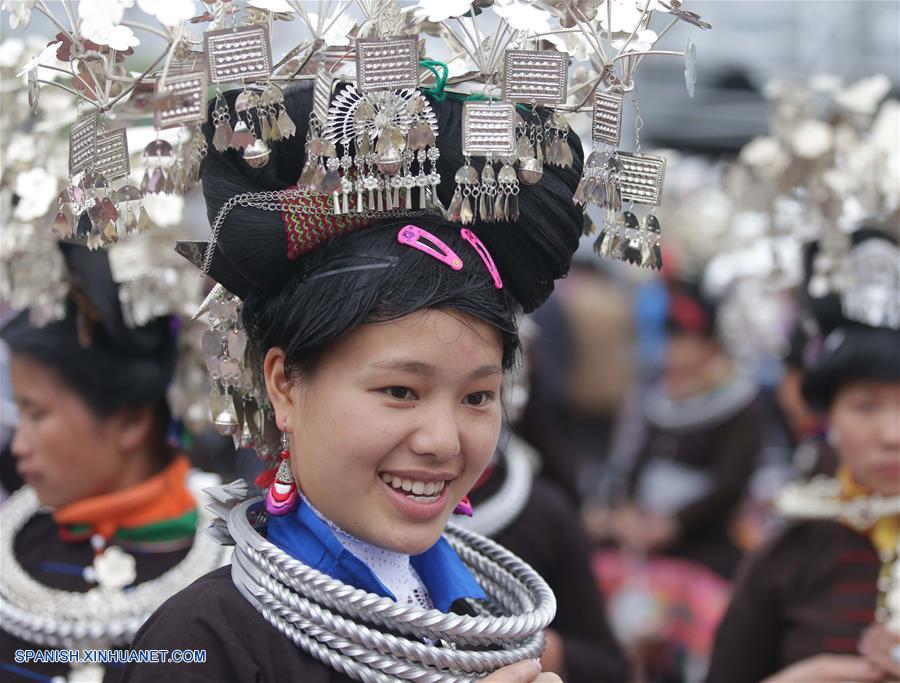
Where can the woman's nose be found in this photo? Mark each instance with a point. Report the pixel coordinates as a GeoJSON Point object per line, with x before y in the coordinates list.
{"type": "Point", "coordinates": [19, 445]}
{"type": "Point", "coordinates": [890, 428]}
{"type": "Point", "coordinates": [438, 434]}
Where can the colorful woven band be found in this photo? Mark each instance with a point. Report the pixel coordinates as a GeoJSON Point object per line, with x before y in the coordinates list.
{"type": "Point", "coordinates": [308, 223]}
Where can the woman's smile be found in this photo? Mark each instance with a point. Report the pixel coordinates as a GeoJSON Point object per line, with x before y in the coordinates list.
{"type": "Point", "coordinates": [395, 426]}
{"type": "Point", "coordinates": [416, 498]}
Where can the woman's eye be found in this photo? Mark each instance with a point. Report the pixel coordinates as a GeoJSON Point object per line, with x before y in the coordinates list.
{"type": "Point", "coordinates": [479, 398]}
{"type": "Point", "coordinates": [864, 406]}
{"type": "Point", "coordinates": [400, 393]}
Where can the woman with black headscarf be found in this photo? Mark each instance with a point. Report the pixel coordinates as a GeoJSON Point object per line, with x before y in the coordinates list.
{"type": "Point", "coordinates": [380, 343]}
{"type": "Point", "coordinates": [105, 527]}
{"type": "Point", "coordinates": [821, 601]}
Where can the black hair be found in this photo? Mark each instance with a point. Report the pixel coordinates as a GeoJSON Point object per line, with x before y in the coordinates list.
{"type": "Point", "coordinates": [850, 354]}
{"type": "Point", "coordinates": [110, 366]}
{"type": "Point", "coordinates": [106, 377]}
{"type": "Point", "coordinates": [317, 305]}
{"type": "Point", "coordinates": [690, 310]}
{"type": "Point", "coordinates": [367, 276]}
{"type": "Point", "coordinates": [839, 350]}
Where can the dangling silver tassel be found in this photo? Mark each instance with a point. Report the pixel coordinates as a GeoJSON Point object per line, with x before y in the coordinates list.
{"type": "Point", "coordinates": [653, 238]}
{"type": "Point", "coordinates": [631, 243]}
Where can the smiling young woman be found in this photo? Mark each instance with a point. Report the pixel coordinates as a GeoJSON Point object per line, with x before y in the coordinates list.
{"type": "Point", "coordinates": [380, 343]}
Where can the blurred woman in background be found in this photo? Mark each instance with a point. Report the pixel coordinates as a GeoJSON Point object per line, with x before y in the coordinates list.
{"type": "Point", "coordinates": [105, 528]}
{"type": "Point", "coordinates": [674, 555]}
{"type": "Point", "coordinates": [821, 601]}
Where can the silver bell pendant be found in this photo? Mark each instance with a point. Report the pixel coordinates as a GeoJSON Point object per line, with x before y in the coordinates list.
{"type": "Point", "coordinates": [257, 154]}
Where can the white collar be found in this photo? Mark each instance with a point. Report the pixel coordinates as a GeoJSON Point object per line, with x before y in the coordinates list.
{"type": "Point", "coordinates": [393, 569]}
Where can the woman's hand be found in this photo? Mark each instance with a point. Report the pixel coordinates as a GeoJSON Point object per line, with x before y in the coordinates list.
{"type": "Point", "coordinates": [829, 669]}
{"type": "Point", "coordinates": [528, 671]}
{"type": "Point", "coordinates": [877, 645]}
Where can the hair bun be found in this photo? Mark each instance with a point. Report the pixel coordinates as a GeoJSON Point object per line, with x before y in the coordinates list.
{"type": "Point", "coordinates": [251, 249]}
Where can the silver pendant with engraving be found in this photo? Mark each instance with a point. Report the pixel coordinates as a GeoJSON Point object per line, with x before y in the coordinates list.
{"type": "Point", "coordinates": [82, 136]}
{"type": "Point", "coordinates": [237, 55]}
{"type": "Point", "coordinates": [606, 120]}
{"type": "Point", "coordinates": [489, 129]}
{"type": "Point", "coordinates": [180, 99]}
{"type": "Point", "coordinates": [640, 177]}
{"type": "Point", "coordinates": [537, 76]}
{"type": "Point", "coordinates": [387, 63]}
{"type": "Point", "coordinates": [111, 159]}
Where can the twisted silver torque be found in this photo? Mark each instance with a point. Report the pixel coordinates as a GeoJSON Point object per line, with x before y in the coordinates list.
{"type": "Point", "coordinates": [98, 618]}
{"type": "Point", "coordinates": [335, 622]}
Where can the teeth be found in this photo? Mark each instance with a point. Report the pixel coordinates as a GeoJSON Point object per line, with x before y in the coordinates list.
{"type": "Point", "coordinates": [424, 499]}
{"type": "Point", "coordinates": [416, 488]}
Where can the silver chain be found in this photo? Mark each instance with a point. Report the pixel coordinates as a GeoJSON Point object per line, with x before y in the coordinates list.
{"type": "Point", "coordinates": [275, 201]}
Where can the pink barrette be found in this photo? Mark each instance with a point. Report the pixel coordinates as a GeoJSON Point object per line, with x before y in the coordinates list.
{"type": "Point", "coordinates": [485, 255]}
{"type": "Point", "coordinates": [413, 236]}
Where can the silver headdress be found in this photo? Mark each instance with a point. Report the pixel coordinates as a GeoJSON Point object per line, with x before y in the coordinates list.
{"type": "Point", "coordinates": [526, 69]}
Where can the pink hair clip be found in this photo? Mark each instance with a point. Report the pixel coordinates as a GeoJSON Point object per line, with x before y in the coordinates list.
{"type": "Point", "coordinates": [413, 236]}
{"type": "Point", "coordinates": [485, 255]}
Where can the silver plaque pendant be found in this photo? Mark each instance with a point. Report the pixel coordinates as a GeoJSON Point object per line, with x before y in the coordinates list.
{"type": "Point", "coordinates": [322, 94]}
{"type": "Point", "coordinates": [180, 99]}
{"type": "Point", "coordinates": [538, 76]}
{"type": "Point", "coordinates": [489, 129]}
{"type": "Point", "coordinates": [640, 177]}
{"type": "Point", "coordinates": [82, 136]}
{"type": "Point", "coordinates": [387, 63]}
{"type": "Point", "coordinates": [606, 120]}
{"type": "Point", "coordinates": [237, 55]}
{"type": "Point", "coordinates": [111, 160]}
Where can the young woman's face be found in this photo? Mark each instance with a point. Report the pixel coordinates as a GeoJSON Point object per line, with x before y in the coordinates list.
{"type": "Point", "coordinates": [687, 363]}
{"type": "Point", "coordinates": [63, 450]}
{"type": "Point", "coordinates": [395, 426]}
{"type": "Point", "coordinates": [865, 421]}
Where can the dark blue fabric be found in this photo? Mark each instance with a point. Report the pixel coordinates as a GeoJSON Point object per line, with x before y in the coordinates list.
{"type": "Point", "coordinates": [306, 537]}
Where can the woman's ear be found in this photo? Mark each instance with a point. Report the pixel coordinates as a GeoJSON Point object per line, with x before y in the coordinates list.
{"type": "Point", "coordinates": [135, 426]}
{"type": "Point", "coordinates": [278, 387]}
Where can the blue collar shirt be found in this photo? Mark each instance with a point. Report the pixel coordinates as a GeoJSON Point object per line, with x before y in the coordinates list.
{"type": "Point", "coordinates": [307, 538]}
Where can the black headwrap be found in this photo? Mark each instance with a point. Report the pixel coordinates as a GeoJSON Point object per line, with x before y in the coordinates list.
{"type": "Point", "coordinates": [103, 360]}
{"type": "Point", "coordinates": [251, 251]}
{"type": "Point", "coordinates": [845, 350]}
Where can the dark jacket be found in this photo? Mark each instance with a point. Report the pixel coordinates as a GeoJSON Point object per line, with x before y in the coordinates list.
{"type": "Point", "coordinates": [57, 564]}
{"type": "Point", "coordinates": [811, 590]}
{"type": "Point", "coordinates": [549, 536]}
{"type": "Point", "coordinates": [239, 644]}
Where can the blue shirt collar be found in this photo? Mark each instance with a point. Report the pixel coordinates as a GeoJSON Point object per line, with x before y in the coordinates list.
{"type": "Point", "coordinates": [306, 537]}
